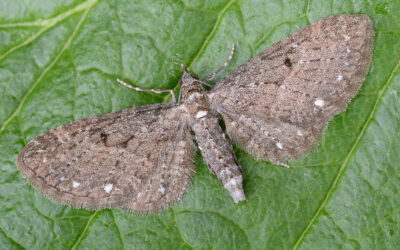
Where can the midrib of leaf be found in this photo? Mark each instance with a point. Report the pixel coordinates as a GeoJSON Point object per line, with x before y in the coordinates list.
{"type": "Point", "coordinates": [84, 230]}
{"type": "Point", "coordinates": [88, 5]}
{"type": "Point", "coordinates": [211, 34]}
{"type": "Point", "coordinates": [348, 157]}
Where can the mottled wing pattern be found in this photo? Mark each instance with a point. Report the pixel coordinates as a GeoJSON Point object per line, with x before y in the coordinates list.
{"type": "Point", "coordinates": [276, 105]}
{"type": "Point", "coordinates": [138, 158]}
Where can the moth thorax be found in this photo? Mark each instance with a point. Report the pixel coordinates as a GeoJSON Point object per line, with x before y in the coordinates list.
{"type": "Point", "coordinates": [196, 101]}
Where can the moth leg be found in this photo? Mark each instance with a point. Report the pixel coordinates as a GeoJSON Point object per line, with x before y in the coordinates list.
{"type": "Point", "coordinates": [179, 97]}
{"type": "Point", "coordinates": [158, 91]}
{"type": "Point", "coordinates": [211, 77]}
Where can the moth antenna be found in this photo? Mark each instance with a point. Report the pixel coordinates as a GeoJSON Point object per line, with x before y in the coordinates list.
{"type": "Point", "coordinates": [158, 91]}
{"type": "Point", "coordinates": [205, 83]}
{"type": "Point", "coordinates": [212, 76]}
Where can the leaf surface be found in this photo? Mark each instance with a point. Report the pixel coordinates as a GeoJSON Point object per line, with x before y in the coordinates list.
{"type": "Point", "coordinates": [59, 61]}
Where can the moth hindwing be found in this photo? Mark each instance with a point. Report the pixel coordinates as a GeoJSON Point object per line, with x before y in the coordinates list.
{"type": "Point", "coordinates": [275, 107]}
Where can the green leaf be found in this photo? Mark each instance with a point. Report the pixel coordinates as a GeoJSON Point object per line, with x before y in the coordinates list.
{"type": "Point", "coordinates": [59, 61]}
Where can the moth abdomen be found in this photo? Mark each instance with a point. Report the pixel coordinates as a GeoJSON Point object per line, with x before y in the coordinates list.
{"type": "Point", "coordinates": [216, 150]}
{"type": "Point", "coordinates": [274, 106]}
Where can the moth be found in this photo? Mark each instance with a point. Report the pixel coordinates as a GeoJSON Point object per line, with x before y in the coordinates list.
{"type": "Point", "coordinates": [274, 106]}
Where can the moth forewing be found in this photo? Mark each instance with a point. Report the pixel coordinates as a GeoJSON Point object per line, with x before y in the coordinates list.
{"type": "Point", "coordinates": [138, 159]}
{"type": "Point", "coordinates": [275, 106]}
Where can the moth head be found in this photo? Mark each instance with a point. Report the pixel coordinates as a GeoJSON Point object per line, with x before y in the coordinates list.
{"type": "Point", "coordinates": [187, 78]}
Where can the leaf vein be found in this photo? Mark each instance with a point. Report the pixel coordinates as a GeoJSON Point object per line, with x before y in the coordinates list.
{"type": "Point", "coordinates": [119, 230]}
{"type": "Point", "coordinates": [11, 239]}
{"type": "Point", "coordinates": [84, 230]}
{"type": "Point", "coordinates": [35, 84]}
{"type": "Point", "coordinates": [206, 41]}
{"type": "Point", "coordinates": [212, 32]}
{"type": "Point", "coordinates": [219, 214]}
{"type": "Point", "coordinates": [179, 231]}
{"type": "Point", "coordinates": [49, 23]}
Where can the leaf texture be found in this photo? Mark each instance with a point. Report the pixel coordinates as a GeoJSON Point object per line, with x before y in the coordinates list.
{"type": "Point", "coordinates": [59, 61]}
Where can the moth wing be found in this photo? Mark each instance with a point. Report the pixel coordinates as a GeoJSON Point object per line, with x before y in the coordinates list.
{"type": "Point", "coordinates": [276, 105]}
{"type": "Point", "coordinates": [139, 158]}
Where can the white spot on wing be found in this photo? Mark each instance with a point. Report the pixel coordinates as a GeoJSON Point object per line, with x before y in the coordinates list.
{"type": "Point", "coordinates": [279, 145]}
{"type": "Point", "coordinates": [319, 102]}
{"type": "Point", "coordinates": [201, 114]}
{"type": "Point", "coordinates": [108, 188]}
{"type": "Point", "coordinates": [75, 184]}
{"type": "Point", "coordinates": [161, 190]}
